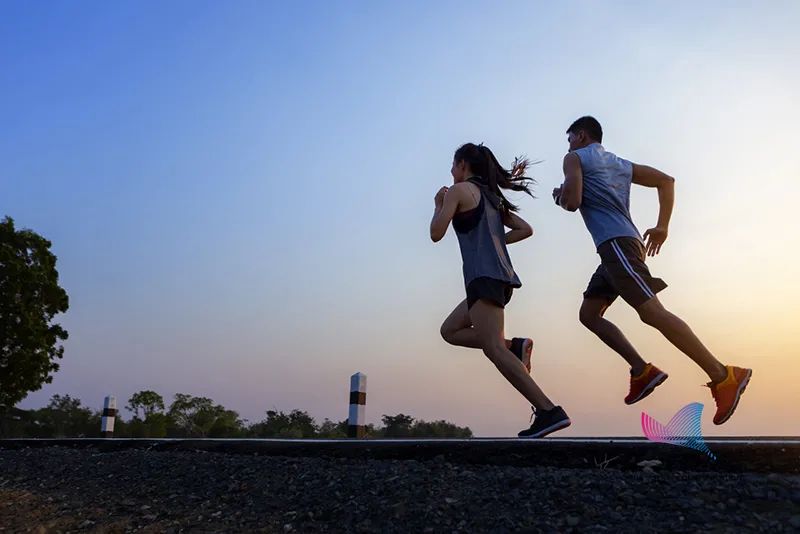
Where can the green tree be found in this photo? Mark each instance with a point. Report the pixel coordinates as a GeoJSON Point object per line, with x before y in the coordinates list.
{"type": "Point", "coordinates": [65, 417]}
{"type": "Point", "coordinates": [30, 298]}
{"type": "Point", "coordinates": [122, 428]}
{"type": "Point", "coordinates": [149, 420]}
{"type": "Point", "coordinates": [149, 402]}
{"type": "Point", "coordinates": [295, 424]}
{"type": "Point", "coordinates": [397, 426]}
{"type": "Point", "coordinates": [156, 425]}
{"type": "Point", "coordinates": [439, 429]}
{"type": "Point", "coordinates": [16, 423]}
{"type": "Point", "coordinates": [331, 429]}
{"type": "Point", "coordinates": [226, 425]}
{"type": "Point", "coordinates": [199, 417]}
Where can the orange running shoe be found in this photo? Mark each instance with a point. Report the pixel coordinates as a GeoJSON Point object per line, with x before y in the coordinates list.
{"type": "Point", "coordinates": [726, 393]}
{"type": "Point", "coordinates": [644, 384]}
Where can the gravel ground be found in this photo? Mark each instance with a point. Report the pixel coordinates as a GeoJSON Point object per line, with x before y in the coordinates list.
{"type": "Point", "coordinates": [82, 490]}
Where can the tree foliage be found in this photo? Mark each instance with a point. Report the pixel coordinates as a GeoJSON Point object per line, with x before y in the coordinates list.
{"type": "Point", "coordinates": [65, 416]}
{"type": "Point", "coordinates": [397, 426]}
{"type": "Point", "coordinates": [30, 298]}
{"type": "Point", "coordinates": [149, 402]}
{"type": "Point", "coordinates": [405, 426]}
{"type": "Point", "coordinates": [295, 424]}
{"type": "Point", "coordinates": [149, 419]}
{"type": "Point", "coordinates": [332, 429]}
{"type": "Point", "coordinates": [201, 417]}
{"type": "Point", "coordinates": [68, 417]}
{"type": "Point", "coordinates": [439, 429]}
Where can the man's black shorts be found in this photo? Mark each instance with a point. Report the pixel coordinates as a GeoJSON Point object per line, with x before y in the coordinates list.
{"type": "Point", "coordinates": [623, 273]}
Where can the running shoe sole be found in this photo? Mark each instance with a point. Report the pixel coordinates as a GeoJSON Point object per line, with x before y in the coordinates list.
{"type": "Point", "coordinates": [739, 391]}
{"type": "Point", "coordinates": [649, 388]}
{"type": "Point", "coordinates": [564, 423]}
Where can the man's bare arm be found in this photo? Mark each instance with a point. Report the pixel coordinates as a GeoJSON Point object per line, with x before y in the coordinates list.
{"type": "Point", "coordinates": [571, 193]}
{"type": "Point", "coordinates": [651, 177]}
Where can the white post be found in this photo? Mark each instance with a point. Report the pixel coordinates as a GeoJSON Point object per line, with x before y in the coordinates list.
{"type": "Point", "coordinates": [109, 415]}
{"type": "Point", "coordinates": [358, 400]}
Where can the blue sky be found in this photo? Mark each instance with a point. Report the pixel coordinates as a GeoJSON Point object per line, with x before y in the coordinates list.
{"type": "Point", "coordinates": [239, 195]}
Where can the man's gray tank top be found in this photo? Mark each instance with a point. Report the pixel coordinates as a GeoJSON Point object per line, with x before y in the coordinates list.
{"type": "Point", "coordinates": [482, 238]}
{"type": "Point", "coordinates": [605, 205]}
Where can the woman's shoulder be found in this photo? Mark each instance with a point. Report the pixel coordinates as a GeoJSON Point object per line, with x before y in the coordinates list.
{"type": "Point", "coordinates": [466, 189]}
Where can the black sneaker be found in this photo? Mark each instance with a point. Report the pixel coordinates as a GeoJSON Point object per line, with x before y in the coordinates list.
{"type": "Point", "coordinates": [522, 348]}
{"type": "Point", "coordinates": [546, 422]}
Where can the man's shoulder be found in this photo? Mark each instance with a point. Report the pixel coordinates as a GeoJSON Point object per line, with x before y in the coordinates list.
{"type": "Point", "coordinates": [598, 153]}
{"type": "Point", "coordinates": [609, 154]}
{"type": "Point", "coordinates": [588, 153]}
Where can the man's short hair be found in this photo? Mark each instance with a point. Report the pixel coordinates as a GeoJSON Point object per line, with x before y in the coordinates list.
{"type": "Point", "coordinates": [590, 125]}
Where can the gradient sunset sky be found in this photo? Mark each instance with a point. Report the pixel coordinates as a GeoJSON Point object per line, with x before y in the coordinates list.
{"type": "Point", "coordinates": [239, 196]}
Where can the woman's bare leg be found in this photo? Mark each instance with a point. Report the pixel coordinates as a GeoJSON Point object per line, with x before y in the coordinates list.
{"type": "Point", "coordinates": [457, 329]}
{"type": "Point", "coordinates": [488, 322]}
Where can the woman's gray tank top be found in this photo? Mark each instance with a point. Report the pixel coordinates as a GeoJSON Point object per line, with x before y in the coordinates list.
{"type": "Point", "coordinates": [483, 246]}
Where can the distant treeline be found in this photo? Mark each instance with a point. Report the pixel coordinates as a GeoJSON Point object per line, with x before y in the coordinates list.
{"type": "Point", "coordinates": [199, 417]}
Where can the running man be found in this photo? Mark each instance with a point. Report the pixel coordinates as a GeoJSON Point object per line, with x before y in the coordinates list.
{"type": "Point", "coordinates": [598, 183]}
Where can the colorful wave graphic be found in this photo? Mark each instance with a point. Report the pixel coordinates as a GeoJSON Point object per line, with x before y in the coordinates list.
{"type": "Point", "coordinates": [682, 430]}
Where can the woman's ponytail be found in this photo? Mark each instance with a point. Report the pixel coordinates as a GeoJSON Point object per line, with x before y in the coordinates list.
{"type": "Point", "coordinates": [483, 163]}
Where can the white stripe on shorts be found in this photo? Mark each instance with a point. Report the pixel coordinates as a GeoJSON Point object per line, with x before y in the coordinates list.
{"type": "Point", "coordinates": [630, 270]}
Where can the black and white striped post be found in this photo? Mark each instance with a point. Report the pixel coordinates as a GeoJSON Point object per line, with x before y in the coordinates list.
{"type": "Point", "coordinates": [356, 427]}
{"type": "Point", "coordinates": [109, 415]}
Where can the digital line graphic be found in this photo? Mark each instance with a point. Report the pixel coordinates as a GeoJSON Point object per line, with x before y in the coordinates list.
{"type": "Point", "coordinates": [682, 430]}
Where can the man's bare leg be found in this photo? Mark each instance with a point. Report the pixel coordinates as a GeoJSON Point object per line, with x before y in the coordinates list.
{"type": "Point", "coordinates": [591, 316]}
{"type": "Point", "coordinates": [679, 334]}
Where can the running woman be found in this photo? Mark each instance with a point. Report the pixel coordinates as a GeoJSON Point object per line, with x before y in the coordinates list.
{"type": "Point", "coordinates": [598, 183]}
{"type": "Point", "coordinates": [480, 212]}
